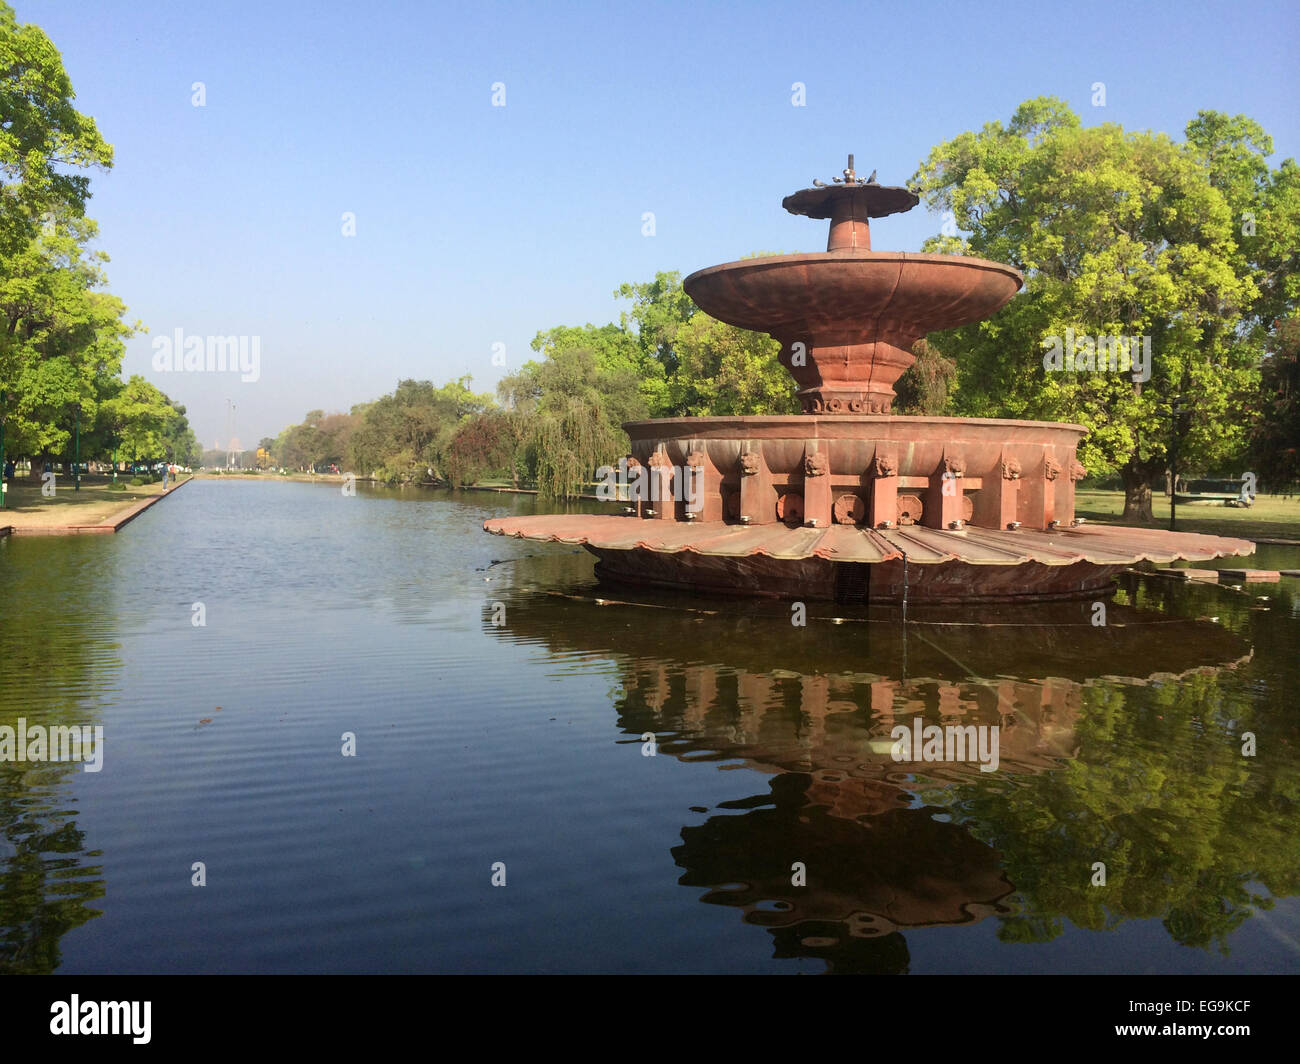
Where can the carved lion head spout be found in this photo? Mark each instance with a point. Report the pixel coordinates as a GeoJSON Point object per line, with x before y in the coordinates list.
{"type": "Point", "coordinates": [695, 459]}
{"type": "Point", "coordinates": [954, 464]}
{"type": "Point", "coordinates": [886, 465]}
{"type": "Point", "coordinates": [750, 463]}
{"type": "Point", "coordinates": [1011, 469]}
{"type": "Point", "coordinates": [1077, 472]}
{"type": "Point", "coordinates": [659, 458]}
{"type": "Point", "coordinates": [816, 465]}
{"type": "Point", "coordinates": [1051, 468]}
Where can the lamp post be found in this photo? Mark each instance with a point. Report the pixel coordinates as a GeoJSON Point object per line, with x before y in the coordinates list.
{"type": "Point", "coordinates": [1176, 410]}
{"type": "Point", "coordinates": [4, 484]}
{"type": "Point", "coordinates": [76, 462]}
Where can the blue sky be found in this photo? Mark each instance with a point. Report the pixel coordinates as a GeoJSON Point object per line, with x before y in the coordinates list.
{"type": "Point", "coordinates": [479, 225]}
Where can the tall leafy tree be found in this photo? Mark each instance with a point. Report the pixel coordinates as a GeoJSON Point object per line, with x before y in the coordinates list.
{"type": "Point", "coordinates": [140, 416]}
{"type": "Point", "coordinates": [60, 339]}
{"type": "Point", "coordinates": [404, 436]}
{"type": "Point", "coordinates": [1118, 234]}
{"type": "Point", "coordinates": [44, 139]}
{"type": "Point", "coordinates": [1275, 434]}
{"type": "Point", "coordinates": [724, 370]}
{"type": "Point", "coordinates": [692, 364]}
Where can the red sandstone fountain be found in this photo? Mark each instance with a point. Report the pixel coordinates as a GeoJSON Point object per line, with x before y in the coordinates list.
{"type": "Point", "coordinates": [846, 501]}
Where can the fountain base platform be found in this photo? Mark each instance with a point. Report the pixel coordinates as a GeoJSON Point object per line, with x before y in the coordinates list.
{"type": "Point", "coordinates": [851, 564]}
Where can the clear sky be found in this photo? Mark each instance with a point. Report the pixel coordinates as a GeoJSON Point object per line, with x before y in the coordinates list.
{"type": "Point", "coordinates": [478, 225]}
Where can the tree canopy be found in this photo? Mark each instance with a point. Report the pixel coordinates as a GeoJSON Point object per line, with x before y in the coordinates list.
{"type": "Point", "coordinates": [61, 336]}
{"type": "Point", "coordinates": [1190, 246]}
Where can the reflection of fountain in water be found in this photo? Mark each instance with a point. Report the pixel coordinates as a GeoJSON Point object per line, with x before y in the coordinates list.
{"type": "Point", "coordinates": [881, 854]}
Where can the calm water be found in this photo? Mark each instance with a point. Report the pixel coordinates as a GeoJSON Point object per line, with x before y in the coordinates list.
{"type": "Point", "coordinates": [499, 701]}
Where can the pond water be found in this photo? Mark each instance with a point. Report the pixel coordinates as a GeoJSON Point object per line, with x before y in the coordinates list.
{"type": "Point", "coordinates": [384, 710]}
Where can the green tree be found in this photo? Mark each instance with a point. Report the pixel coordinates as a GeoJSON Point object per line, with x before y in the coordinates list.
{"type": "Point", "coordinates": [404, 436]}
{"type": "Point", "coordinates": [140, 415]}
{"type": "Point", "coordinates": [1275, 434]}
{"type": "Point", "coordinates": [570, 410]}
{"type": "Point", "coordinates": [483, 445]}
{"type": "Point", "coordinates": [60, 340]}
{"type": "Point", "coordinates": [927, 386]}
{"type": "Point", "coordinates": [44, 139]}
{"type": "Point", "coordinates": [1118, 234]}
{"type": "Point", "coordinates": [180, 445]}
{"type": "Point", "coordinates": [659, 309]}
{"type": "Point", "coordinates": [692, 364]}
{"type": "Point", "coordinates": [722, 370]}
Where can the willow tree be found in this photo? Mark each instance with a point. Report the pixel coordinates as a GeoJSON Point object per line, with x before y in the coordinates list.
{"type": "Point", "coordinates": [1119, 234]}
{"type": "Point", "coordinates": [572, 406]}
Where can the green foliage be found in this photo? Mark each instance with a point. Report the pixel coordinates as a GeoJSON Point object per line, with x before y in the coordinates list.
{"type": "Point", "coordinates": [1190, 832]}
{"type": "Point", "coordinates": [694, 365]}
{"type": "Point", "coordinates": [61, 339]}
{"type": "Point", "coordinates": [1275, 435]}
{"type": "Point", "coordinates": [399, 438]}
{"type": "Point", "coordinates": [139, 416]}
{"type": "Point", "coordinates": [722, 370]}
{"type": "Point", "coordinates": [568, 413]}
{"type": "Point", "coordinates": [483, 445]}
{"type": "Point", "coordinates": [926, 387]}
{"type": "Point", "coordinates": [42, 136]}
{"type": "Point", "coordinates": [321, 440]}
{"type": "Point", "coordinates": [1119, 234]}
{"type": "Point", "coordinates": [180, 445]}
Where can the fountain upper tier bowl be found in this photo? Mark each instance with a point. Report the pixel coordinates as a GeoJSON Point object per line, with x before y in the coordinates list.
{"type": "Point", "coordinates": [856, 314]}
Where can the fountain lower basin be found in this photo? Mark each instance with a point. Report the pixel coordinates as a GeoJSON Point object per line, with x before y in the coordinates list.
{"type": "Point", "coordinates": [859, 510]}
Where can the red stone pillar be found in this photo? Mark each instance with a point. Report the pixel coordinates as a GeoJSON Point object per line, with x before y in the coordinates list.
{"type": "Point", "coordinates": [884, 491]}
{"type": "Point", "coordinates": [757, 493]}
{"type": "Point", "coordinates": [638, 485]}
{"type": "Point", "coordinates": [816, 489]}
{"type": "Point", "coordinates": [702, 491]}
{"type": "Point", "coordinates": [943, 499]}
{"type": "Point", "coordinates": [1051, 470]}
{"type": "Point", "coordinates": [1037, 505]}
{"type": "Point", "coordinates": [1077, 473]}
{"type": "Point", "coordinates": [661, 488]}
{"type": "Point", "coordinates": [996, 505]}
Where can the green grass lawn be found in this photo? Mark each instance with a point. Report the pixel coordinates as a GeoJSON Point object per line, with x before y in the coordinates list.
{"type": "Point", "coordinates": [1272, 516]}
{"type": "Point", "coordinates": [26, 507]}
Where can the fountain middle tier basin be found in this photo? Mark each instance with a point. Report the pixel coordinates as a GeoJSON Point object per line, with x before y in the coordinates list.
{"type": "Point", "coordinates": [856, 313]}
{"type": "Point", "coordinates": [857, 509]}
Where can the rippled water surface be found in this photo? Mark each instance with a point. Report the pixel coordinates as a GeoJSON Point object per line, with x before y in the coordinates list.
{"type": "Point", "coordinates": [503, 707]}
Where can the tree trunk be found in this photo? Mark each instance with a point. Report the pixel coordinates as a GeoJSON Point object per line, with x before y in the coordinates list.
{"type": "Point", "coordinates": [1137, 477]}
{"type": "Point", "coordinates": [38, 467]}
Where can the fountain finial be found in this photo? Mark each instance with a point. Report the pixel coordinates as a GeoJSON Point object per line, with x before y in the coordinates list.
{"type": "Point", "coordinates": [862, 198]}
